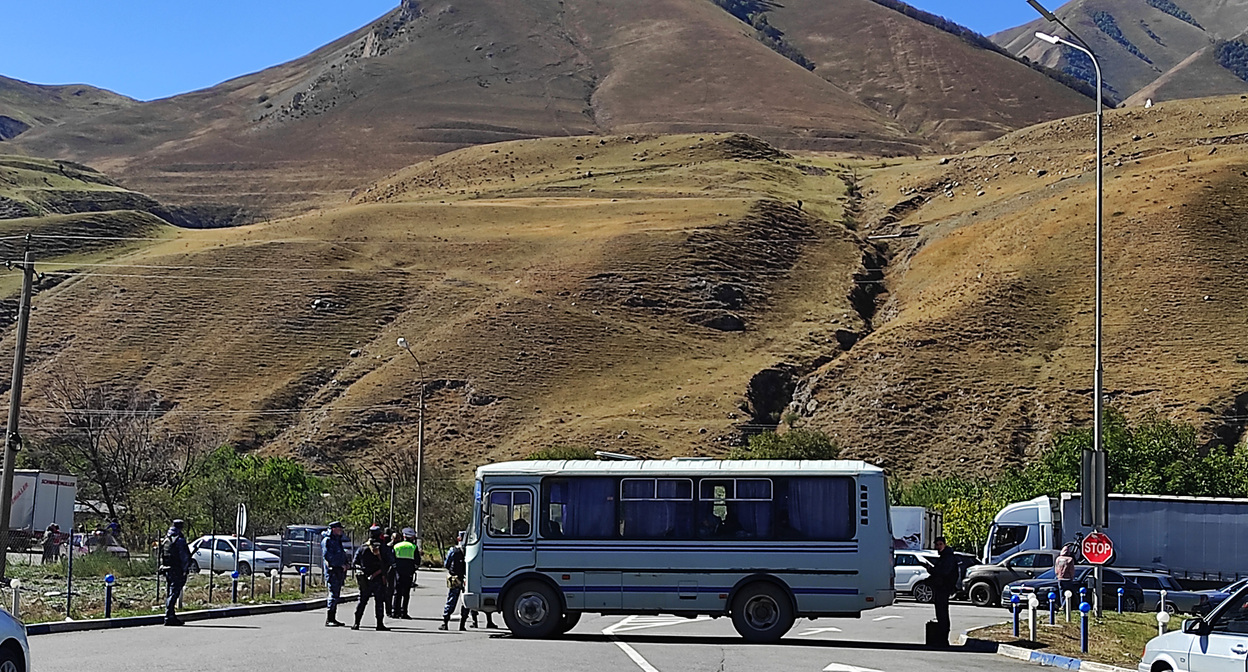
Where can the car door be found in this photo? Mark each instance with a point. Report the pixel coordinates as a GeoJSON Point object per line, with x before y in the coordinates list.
{"type": "Point", "coordinates": [223, 556]}
{"type": "Point", "coordinates": [905, 570]}
{"type": "Point", "coordinates": [1020, 567]}
{"type": "Point", "coordinates": [1225, 648]}
{"type": "Point", "coordinates": [1040, 563]}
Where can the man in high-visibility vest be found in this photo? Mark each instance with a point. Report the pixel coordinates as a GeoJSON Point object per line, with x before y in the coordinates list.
{"type": "Point", "coordinates": [406, 557]}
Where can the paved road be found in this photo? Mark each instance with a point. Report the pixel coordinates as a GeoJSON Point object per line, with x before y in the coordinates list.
{"type": "Point", "coordinates": [885, 639]}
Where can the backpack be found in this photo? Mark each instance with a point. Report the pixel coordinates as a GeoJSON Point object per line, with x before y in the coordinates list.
{"type": "Point", "coordinates": [167, 557]}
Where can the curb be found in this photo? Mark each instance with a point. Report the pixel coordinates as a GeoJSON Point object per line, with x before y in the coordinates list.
{"type": "Point", "coordinates": [1036, 657]}
{"type": "Point", "coordinates": [200, 615]}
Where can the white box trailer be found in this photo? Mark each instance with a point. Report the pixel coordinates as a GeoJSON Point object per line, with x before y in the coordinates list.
{"type": "Point", "coordinates": [914, 527]}
{"type": "Point", "coordinates": [41, 498]}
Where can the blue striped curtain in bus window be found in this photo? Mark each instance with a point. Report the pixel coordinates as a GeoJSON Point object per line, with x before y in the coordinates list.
{"type": "Point", "coordinates": [590, 507]}
{"type": "Point", "coordinates": [753, 517]}
{"type": "Point", "coordinates": [820, 508]}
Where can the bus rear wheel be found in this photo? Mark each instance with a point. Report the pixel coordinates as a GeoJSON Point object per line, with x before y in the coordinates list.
{"type": "Point", "coordinates": [531, 610]}
{"type": "Point", "coordinates": [762, 613]}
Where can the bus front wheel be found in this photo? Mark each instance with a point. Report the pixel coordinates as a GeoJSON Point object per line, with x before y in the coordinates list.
{"type": "Point", "coordinates": [532, 610]}
{"type": "Point", "coordinates": [569, 621]}
{"type": "Point", "coordinates": [762, 612]}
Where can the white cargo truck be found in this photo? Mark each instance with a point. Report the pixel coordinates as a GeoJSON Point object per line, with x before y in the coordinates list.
{"type": "Point", "coordinates": [915, 528]}
{"type": "Point", "coordinates": [39, 499]}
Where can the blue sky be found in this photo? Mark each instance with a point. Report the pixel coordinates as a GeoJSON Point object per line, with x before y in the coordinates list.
{"type": "Point", "coordinates": [150, 49]}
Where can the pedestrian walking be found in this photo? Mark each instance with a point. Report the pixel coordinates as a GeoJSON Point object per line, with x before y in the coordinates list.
{"type": "Point", "coordinates": [371, 567]}
{"type": "Point", "coordinates": [334, 565]}
{"type": "Point", "coordinates": [1064, 570]}
{"type": "Point", "coordinates": [406, 557]}
{"type": "Point", "coordinates": [944, 580]}
{"type": "Point", "coordinates": [51, 543]}
{"type": "Point", "coordinates": [175, 563]}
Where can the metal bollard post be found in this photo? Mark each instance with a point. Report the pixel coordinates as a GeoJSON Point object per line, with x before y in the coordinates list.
{"type": "Point", "coordinates": [1120, 591]}
{"type": "Point", "coordinates": [1033, 601]}
{"type": "Point", "coordinates": [109, 580]}
{"type": "Point", "coordinates": [303, 579]}
{"type": "Point", "coordinates": [234, 586]}
{"type": "Point", "coordinates": [1014, 600]}
{"type": "Point", "coordinates": [16, 585]}
{"type": "Point", "coordinates": [273, 586]}
{"type": "Point", "coordinates": [1163, 619]}
{"type": "Point", "coordinates": [1084, 608]}
{"type": "Point", "coordinates": [1068, 596]}
{"type": "Point", "coordinates": [1052, 608]}
{"type": "Point", "coordinates": [1161, 604]}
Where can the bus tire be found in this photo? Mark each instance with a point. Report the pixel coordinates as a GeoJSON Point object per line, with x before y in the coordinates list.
{"type": "Point", "coordinates": [762, 612]}
{"type": "Point", "coordinates": [569, 621]}
{"type": "Point", "coordinates": [532, 610]}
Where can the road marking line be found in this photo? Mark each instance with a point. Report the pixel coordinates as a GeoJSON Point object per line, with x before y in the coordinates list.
{"type": "Point", "coordinates": [628, 650]}
{"type": "Point", "coordinates": [877, 619]}
{"type": "Point", "coordinates": [816, 631]}
{"type": "Point", "coordinates": [840, 667]}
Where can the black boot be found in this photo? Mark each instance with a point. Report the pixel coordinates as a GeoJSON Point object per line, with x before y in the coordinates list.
{"type": "Point", "coordinates": [331, 618]}
{"type": "Point", "coordinates": [445, 622]}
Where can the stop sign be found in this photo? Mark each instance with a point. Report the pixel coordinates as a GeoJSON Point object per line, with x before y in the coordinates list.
{"type": "Point", "coordinates": [1097, 548]}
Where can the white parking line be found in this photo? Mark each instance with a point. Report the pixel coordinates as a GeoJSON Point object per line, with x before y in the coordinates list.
{"type": "Point", "coordinates": [841, 667]}
{"type": "Point", "coordinates": [816, 631]}
{"type": "Point", "coordinates": [629, 651]}
{"type": "Point", "coordinates": [877, 619]}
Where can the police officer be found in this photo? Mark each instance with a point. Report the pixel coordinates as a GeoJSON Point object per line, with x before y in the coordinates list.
{"type": "Point", "coordinates": [334, 564]}
{"type": "Point", "coordinates": [456, 568]}
{"type": "Point", "coordinates": [406, 558]}
{"type": "Point", "coordinates": [371, 566]}
{"type": "Point", "coordinates": [175, 563]}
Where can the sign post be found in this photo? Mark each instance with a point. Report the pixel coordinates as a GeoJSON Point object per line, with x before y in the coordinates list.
{"type": "Point", "coordinates": [1097, 550]}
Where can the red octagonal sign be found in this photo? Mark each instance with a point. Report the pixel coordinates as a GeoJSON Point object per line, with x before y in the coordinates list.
{"type": "Point", "coordinates": [1097, 548]}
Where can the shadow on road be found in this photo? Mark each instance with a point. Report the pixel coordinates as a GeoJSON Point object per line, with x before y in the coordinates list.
{"type": "Point", "coordinates": [970, 647]}
{"type": "Point", "coordinates": [219, 626]}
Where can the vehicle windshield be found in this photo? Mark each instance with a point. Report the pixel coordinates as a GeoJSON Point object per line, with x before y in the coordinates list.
{"type": "Point", "coordinates": [1232, 587]}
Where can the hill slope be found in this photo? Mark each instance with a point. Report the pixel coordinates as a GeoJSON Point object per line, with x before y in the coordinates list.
{"type": "Point", "coordinates": [433, 76]}
{"type": "Point", "coordinates": [24, 106]}
{"type": "Point", "coordinates": [1141, 42]}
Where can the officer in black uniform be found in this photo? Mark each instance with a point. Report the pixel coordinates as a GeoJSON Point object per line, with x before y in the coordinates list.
{"type": "Point", "coordinates": [372, 564]}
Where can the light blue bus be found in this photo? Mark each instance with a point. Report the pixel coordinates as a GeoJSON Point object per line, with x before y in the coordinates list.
{"type": "Point", "coordinates": [765, 542]}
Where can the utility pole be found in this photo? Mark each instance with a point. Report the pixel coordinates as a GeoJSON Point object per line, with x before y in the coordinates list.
{"type": "Point", "coordinates": [13, 440]}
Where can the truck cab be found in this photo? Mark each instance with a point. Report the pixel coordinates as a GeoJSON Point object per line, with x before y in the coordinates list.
{"type": "Point", "coordinates": [1021, 526]}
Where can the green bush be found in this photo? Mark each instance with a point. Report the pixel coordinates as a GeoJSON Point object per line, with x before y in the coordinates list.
{"type": "Point", "coordinates": [795, 444]}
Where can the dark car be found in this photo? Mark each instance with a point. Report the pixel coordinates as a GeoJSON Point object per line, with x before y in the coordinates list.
{"type": "Point", "coordinates": [298, 545]}
{"type": "Point", "coordinates": [984, 582]}
{"type": "Point", "coordinates": [1216, 597]}
{"type": "Point", "coordinates": [965, 562]}
{"type": "Point", "coordinates": [1132, 595]}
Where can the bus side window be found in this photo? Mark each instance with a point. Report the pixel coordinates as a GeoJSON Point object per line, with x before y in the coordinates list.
{"type": "Point", "coordinates": [510, 513]}
{"type": "Point", "coordinates": [578, 508]}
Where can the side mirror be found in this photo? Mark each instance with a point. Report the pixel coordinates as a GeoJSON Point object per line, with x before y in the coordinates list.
{"type": "Point", "coordinates": [1194, 626]}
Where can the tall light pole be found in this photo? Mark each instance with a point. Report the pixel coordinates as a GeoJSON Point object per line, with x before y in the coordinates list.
{"type": "Point", "coordinates": [420, 440]}
{"type": "Point", "coordinates": [1095, 496]}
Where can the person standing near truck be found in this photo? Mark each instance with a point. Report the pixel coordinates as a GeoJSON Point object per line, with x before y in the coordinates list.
{"type": "Point", "coordinates": [944, 580]}
{"type": "Point", "coordinates": [406, 558]}
{"type": "Point", "coordinates": [334, 564]}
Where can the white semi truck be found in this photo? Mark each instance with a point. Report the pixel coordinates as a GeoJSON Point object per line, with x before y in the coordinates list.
{"type": "Point", "coordinates": [39, 499]}
{"type": "Point", "coordinates": [1191, 537]}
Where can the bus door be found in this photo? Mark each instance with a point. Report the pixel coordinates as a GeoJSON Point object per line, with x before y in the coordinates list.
{"type": "Point", "coordinates": [509, 529]}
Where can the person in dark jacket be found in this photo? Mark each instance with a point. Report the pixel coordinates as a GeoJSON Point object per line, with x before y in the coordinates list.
{"type": "Point", "coordinates": [51, 543]}
{"type": "Point", "coordinates": [334, 564]}
{"type": "Point", "coordinates": [456, 567]}
{"type": "Point", "coordinates": [175, 564]}
{"type": "Point", "coordinates": [944, 579]}
{"type": "Point", "coordinates": [371, 567]}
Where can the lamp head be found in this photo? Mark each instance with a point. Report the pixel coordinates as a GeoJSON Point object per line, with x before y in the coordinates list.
{"type": "Point", "coordinates": [403, 343]}
{"type": "Point", "coordinates": [1051, 39]}
{"type": "Point", "coordinates": [1043, 12]}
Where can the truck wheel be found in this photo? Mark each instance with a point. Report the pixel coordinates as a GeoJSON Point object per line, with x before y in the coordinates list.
{"type": "Point", "coordinates": [982, 594]}
{"type": "Point", "coordinates": [923, 592]}
{"type": "Point", "coordinates": [762, 613]}
{"type": "Point", "coordinates": [532, 610]}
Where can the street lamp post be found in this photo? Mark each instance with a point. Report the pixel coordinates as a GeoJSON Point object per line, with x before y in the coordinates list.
{"type": "Point", "coordinates": [1094, 494]}
{"type": "Point", "coordinates": [420, 440]}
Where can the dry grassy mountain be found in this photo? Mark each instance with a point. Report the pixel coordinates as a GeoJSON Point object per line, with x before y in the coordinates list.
{"type": "Point", "coordinates": [437, 75]}
{"type": "Point", "coordinates": [24, 106]}
{"type": "Point", "coordinates": [1158, 49]}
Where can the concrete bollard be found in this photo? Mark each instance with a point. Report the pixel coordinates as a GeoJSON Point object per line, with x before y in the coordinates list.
{"type": "Point", "coordinates": [1084, 608]}
{"type": "Point", "coordinates": [109, 580]}
{"type": "Point", "coordinates": [1014, 600]}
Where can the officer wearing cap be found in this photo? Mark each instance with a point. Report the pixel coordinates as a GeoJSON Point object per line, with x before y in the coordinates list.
{"type": "Point", "coordinates": [175, 563]}
{"type": "Point", "coordinates": [406, 557]}
{"type": "Point", "coordinates": [372, 563]}
{"type": "Point", "coordinates": [334, 564]}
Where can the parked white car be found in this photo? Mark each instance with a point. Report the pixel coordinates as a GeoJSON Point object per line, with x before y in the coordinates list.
{"type": "Point", "coordinates": [910, 575]}
{"type": "Point", "coordinates": [14, 652]}
{"type": "Point", "coordinates": [1215, 643]}
{"type": "Point", "coordinates": [217, 554]}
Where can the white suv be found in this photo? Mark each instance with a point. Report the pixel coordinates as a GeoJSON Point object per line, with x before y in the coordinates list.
{"type": "Point", "coordinates": [910, 575]}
